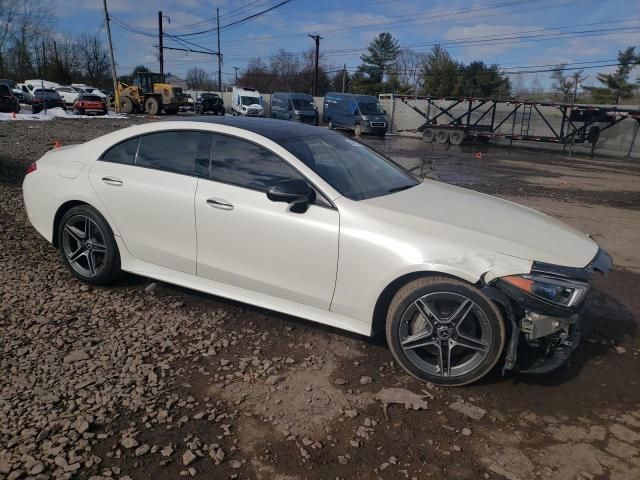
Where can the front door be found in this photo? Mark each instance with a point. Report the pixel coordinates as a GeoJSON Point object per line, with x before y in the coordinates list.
{"type": "Point", "coordinates": [248, 241]}
{"type": "Point", "coordinates": [147, 185]}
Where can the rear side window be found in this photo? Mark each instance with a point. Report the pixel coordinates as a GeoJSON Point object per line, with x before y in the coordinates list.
{"type": "Point", "coordinates": [4, 90]}
{"type": "Point", "coordinates": [245, 164]}
{"type": "Point", "coordinates": [124, 152]}
{"type": "Point", "coordinates": [172, 151]}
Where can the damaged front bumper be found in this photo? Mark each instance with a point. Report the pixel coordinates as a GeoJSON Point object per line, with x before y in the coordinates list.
{"type": "Point", "coordinates": [544, 334]}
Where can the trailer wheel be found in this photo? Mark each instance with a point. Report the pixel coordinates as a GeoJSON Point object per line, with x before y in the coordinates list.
{"type": "Point", "coordinates": [442, 136]}
{"type": "Point", "coordinates": [152, 106]}
{"type": "Point", "coordinates": [456, 138]}
{"type": "Point", "coordinates": [428, 135]}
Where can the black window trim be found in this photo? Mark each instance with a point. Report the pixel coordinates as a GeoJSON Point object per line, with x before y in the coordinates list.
{"type": "Point", "coordinates": [331, 205]}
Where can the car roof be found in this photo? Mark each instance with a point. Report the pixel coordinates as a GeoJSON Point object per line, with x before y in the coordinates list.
{"type": "Point", "coordinates": [270, 128]}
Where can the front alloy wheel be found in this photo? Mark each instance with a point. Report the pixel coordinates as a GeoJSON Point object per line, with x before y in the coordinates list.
{"type": "Point", "coordinates": [445, 331]}
{"type": "Point", "coordinates": [88, 246]}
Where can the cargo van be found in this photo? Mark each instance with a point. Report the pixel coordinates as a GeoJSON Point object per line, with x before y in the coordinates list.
{"type": "Point", "coordinates": [360, 113]}
{"type": "Point", "coordinates": [297, 107]}
{"type": "Point", "coordinates": [247, 102]}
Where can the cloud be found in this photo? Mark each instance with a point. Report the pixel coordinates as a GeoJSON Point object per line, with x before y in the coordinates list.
{"type": "Point", "coordinates": [493, 46]}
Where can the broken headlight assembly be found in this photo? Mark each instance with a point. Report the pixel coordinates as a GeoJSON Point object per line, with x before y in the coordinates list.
{"type": "Point", "coordinates": [559, 292]}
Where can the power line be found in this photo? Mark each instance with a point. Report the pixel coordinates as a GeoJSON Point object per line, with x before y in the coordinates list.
{"type": "Point", "coordinates": [459, 13]}
{"type": "Point", "coordinates": [237, 22]}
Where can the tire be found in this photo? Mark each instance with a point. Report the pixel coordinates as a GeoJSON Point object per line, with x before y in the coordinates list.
{"type": "Point", "coordinates": [456, 137]}
{"type": "Point", "coordinates": [442, 137]}
{"type": "Point", "coordinates": [126, 105]}
{"type": "Point", "coordinates": [35, 110]}
{"type": "Point", "coordinates": [428, 135]}
{"type": "Point", "coordinates": [473, 340]}
{"type": "Point", "coordinates": [84, 234]}
{"type": "Point", "coordinates": [105, 112]}
{"type": "Point", "coordinates": [331, 126]}
{"type": "Point", "coordinates": [81, 111]}
{"type": "Point", "coordinates": [152, 106]}
{"type": "Point", "coordinates": [357, 130]}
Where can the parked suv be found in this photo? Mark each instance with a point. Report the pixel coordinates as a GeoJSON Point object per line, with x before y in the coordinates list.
{"type": "Point", "coordinates": [210, 102]}
{"type": "Point", "coordinates": [360, 113]}
{"type": "Point", "coordinates": [8, 101]}
{"type": "Point", "coordinates": [298, 107]}
{"type": "Point", "coordinates": [46, 98]}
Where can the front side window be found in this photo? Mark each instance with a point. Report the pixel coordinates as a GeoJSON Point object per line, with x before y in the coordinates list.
{"type": "Point", "coordinates": [172, 151]}
{"type": "Point", "coordinates": [124, 152]}
{"type": "Point", "coordinates": [354, 170]}
{"type": "Point", "coordinates": [246, 164]}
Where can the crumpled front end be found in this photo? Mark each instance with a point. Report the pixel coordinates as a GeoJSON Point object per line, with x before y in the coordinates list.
{"type": "Point", "coordinates": [544, 309]}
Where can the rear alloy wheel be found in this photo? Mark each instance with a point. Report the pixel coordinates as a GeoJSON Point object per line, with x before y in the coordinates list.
{"type": "Point", "coordinates": [88, 246]}
{"type": "Point", "coordinates": [444, 331]}
{"type": "Point", "coordinates": [357, 129]}
{"type": "Point", "coordinates": [456, 137]}
{"type": "Point", "coordinates": [428, 135]}
{"type": "Point", "coordinates": [442, 136]}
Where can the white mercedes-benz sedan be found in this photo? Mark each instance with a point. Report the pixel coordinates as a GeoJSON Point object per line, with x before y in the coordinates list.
{"type": "Point", "coordinates": [308, 222]}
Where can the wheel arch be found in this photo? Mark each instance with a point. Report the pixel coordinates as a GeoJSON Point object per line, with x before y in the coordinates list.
{"type": "Point", "coordinates": [384, 299]}
{"type": "Point", "coordinates": [62, 209]}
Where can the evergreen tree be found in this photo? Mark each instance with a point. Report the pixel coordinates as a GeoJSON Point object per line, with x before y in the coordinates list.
{"type": "Point", "coordinates": [617, 85]}
{"type": "Point", "coordinates": [381, 54]}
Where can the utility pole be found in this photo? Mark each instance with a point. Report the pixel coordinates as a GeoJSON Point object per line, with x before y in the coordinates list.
{"type": "Point", "coordinates": [113, 62]}
{"type": "Point", "coordinates": [236, 69]}
{"type": "Point", "coordinates": [317, 39]}
{"type": "Point", "coordinates": [160, 46]}
{"type": "Point", "coordinates": [219, 52]}
{"type": "Point", "coordinates": [344, 76]}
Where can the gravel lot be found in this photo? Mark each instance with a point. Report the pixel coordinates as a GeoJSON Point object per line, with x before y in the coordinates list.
{"type": "Point", "coordinates": [144, 380]}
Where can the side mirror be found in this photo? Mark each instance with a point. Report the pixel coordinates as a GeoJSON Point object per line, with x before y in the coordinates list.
{"type": "Point", "coordinates": [297, 193]}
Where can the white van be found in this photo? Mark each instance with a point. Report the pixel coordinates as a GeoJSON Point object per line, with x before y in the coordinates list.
{"type": "Point", "coordinates": [246, 102]}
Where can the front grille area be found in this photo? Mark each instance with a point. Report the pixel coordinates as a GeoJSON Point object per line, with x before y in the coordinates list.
{"type": "Point", "coordinates": [378, 124]}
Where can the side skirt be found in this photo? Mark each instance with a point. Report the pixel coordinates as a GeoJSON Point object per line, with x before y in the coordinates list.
{"type": "Point", "coordinates": [325, 317]}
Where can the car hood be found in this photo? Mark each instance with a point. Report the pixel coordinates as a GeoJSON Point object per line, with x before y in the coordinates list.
{"type": "Point", "coordinates": [486, 222]}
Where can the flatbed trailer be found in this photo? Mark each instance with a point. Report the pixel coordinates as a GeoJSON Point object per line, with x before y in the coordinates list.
{"type": "Point", "coordinates": [475, 118]}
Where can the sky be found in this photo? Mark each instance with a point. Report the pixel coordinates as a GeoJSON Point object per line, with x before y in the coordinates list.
{"type": "Point", "coordinates": [519, 35]}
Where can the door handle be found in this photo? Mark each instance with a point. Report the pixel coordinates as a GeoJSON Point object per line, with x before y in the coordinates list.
{"type": "Point", "coordinates": [116, 182]}
{"type": "Point", "coordinates": [219, 204]}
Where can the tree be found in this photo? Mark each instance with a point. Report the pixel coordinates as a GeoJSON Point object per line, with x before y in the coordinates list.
{"type": "Point", "coordinates": [480, 80]}
{"type": "Point", "coordinates": [94, 59]}
{"type": "Point", "coordinates": [440, 73]}
{"type": "Point", "coordinates": [407, 69]}
{"type": "Point", "coordinates": [197, 78]}
{"type": "Point", "coordinates": [617, 85]}
{"type": "Point", "coordinates": [567, 85]}
{"type": "Point", "coordinates": [382, 52]}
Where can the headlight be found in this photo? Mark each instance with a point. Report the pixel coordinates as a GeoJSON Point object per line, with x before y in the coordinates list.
{"type": "Point", "coordinates": [566, 293]}
{"type": "Point", "coordinates": [365, 117]}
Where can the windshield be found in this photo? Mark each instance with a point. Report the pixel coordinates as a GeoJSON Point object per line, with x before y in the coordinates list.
{"type": "Point", "coordinates": [49, 94]}
{"type": "Point", "coordinates": [354, 170]}
{"type": "Point", "coordinates": [302, 104]}
{"type": "Point", "coordinates": [249, 100]}
{"type": "Point", "coordinates": [371, 108]}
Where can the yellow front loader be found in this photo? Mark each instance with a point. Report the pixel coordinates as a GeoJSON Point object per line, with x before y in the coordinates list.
{"type": "Point", "coordinates": [149, 94]}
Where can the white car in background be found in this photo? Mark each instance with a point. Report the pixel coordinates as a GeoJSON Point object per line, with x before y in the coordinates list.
{"type": "Point", "coordinates": [68, 94]}
{"type": "Point", "coordinates": [308, 222]}
{"type": "Point", "coordinates": [91, 90]}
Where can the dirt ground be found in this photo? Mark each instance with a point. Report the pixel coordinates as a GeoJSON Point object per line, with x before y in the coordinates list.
{"type": "Point", "coordinates": [149, 381]}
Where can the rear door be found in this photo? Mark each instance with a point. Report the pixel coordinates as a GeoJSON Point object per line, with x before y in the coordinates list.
{"type": "Point", "coordinates": [147, 184]}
